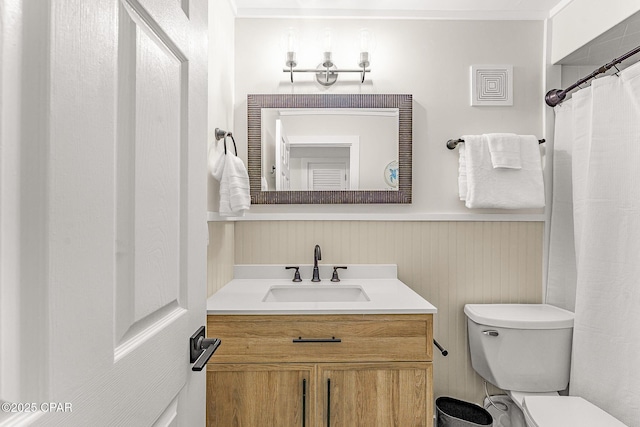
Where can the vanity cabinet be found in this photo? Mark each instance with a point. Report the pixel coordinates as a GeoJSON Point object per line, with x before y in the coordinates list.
{"type": "Point", "coordinates": [321, 370]}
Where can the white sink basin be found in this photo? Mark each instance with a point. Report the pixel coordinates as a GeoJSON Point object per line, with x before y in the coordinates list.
{"type": "Point", "coordinates": [315, 293]}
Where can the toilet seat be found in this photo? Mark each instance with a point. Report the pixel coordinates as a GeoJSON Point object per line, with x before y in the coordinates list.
{"type": "Point", "coordinates": [565, 411]}
{"type": "Point", "coordinates": [518, 396]}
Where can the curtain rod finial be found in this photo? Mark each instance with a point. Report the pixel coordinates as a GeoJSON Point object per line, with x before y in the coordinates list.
{"type": "Point", "coordinates": [555, 97]}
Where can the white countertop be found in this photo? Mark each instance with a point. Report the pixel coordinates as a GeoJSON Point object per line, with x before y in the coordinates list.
{"type": "Point", "coordinates": [387, 294]}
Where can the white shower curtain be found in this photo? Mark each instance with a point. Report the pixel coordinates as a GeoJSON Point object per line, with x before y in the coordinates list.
{"type": "Point", "coordinates": [599, 130]}
{"type": "Point", "coordinates": [561, 278]}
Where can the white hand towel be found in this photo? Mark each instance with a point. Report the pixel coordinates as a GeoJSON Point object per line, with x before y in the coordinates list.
{"type": "Point", "coordinates": [215, 159]}
{"type": "Point", "coordinates": [224, 208]}
{"type": "Point", "coordinates": [503, 188]}
{"type": "Point", "coordinates": [239, 196]}
{"type": "Point", "coordinates": [234, 187]}
{"type": "Point", "coordinates": [505, 150]}
{"type": "Point", "coordinates": [230, 171]}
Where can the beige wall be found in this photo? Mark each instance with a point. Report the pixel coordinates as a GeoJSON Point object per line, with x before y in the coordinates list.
{"type": "Point", "coordinates": [220, 255]}
{"type": "Point", "coordinates": [448, 263]}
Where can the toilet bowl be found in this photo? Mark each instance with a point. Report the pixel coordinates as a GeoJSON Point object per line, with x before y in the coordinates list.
{"type": "Point", "coordinates": [525, 349]}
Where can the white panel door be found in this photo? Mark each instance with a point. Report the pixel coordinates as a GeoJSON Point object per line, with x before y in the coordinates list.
{"type": "Point", "coordinates": [283, 155]}
{"type": "Point", "coordinates": [103, 214]}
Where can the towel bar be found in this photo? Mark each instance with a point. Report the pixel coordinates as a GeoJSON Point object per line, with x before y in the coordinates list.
{"type": "Point", "coordinates": [442, 350]}
{"type": "Point", "coordinates": [453, 143]}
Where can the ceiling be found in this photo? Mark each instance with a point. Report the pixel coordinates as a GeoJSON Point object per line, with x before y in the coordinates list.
{"type": "Point", "coordinates": [415, 9]}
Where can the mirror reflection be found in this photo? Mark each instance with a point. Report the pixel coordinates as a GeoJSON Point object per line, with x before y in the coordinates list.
{"type": "Point", "coordinates": [329, 149]}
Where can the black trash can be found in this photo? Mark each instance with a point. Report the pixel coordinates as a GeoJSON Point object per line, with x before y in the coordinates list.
{"type": "Point", "coordinates": [458, 413]}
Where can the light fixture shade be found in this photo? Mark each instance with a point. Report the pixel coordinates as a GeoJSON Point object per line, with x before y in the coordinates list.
{"type": "Point", "coordinates": [326, 39]}
{"type": "Point", "coordinates": [289, 44]}
{"type": "Point", "coordinates": [289, 40]}
{"type": "Point", "coordinates": [364, 60]}
{"type": "Point", "coordinates": [366, 39]}
{"type": "Point", "coordinates": [292, 40]}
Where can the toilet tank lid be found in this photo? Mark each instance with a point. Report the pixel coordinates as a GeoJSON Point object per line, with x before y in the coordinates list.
{"type": "Point", "coordinates": [520, 316]}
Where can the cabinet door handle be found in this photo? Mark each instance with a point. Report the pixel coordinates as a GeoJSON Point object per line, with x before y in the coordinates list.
{"type": "Point", "coordinates": [302, 340]}
{"type": "Point", "coordinates": [304, 402]}
{"type": "Point", "coordinates": [328, 402]}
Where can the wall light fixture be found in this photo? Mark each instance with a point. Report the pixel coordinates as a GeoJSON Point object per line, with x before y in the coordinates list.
{"type": "Point", "coordinates": [327, 72]}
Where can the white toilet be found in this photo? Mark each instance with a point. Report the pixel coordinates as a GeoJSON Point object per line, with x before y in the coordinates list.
{"type": "Point", "coordinates": [525, 349]}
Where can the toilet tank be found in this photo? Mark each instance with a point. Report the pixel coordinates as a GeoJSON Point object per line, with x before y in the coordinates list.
{"type": "Point", "coordinates": [521, 347]}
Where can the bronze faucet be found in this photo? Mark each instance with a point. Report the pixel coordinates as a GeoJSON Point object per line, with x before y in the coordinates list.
{"type": "Point", "coordinates": [317, 256]}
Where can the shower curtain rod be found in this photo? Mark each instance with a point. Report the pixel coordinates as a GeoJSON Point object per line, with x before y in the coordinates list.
{"type": "Point", "coordinates": [556, 96]}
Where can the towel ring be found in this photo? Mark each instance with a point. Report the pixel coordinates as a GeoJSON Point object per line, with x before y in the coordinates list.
{"type": "Point", "coordinates": [222, 134]}
{"type": "Point", "coordinates": [234, 143]}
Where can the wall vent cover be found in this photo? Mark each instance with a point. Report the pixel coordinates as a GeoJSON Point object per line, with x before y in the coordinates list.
{"type": "Point", "coordinates": [491, 85]}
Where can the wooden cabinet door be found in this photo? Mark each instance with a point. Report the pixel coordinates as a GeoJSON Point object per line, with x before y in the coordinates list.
{"type": "Point", "coordinates": [375, 394]}
{"type": "Point", "coordinates": [250, 395]}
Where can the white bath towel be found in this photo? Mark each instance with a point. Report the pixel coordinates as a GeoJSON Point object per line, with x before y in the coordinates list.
{"type": "Point", "coordinates": [505, 150]}
{"type": "Point", "coordinates": [502, 188]}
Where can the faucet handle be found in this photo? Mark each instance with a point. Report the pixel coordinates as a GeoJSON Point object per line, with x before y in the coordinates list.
{"type": "Point", "coordinates": [335, 277]}
{"type": "Point", "coordinates": [296, 275]}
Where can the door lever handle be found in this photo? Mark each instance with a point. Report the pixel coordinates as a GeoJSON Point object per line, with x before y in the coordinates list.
{"type": "Point", "coordinates": [201, 349]}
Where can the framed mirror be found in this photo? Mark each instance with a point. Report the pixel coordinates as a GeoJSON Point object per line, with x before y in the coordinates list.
{"type": "Point", "coordinates": [329, 148]}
